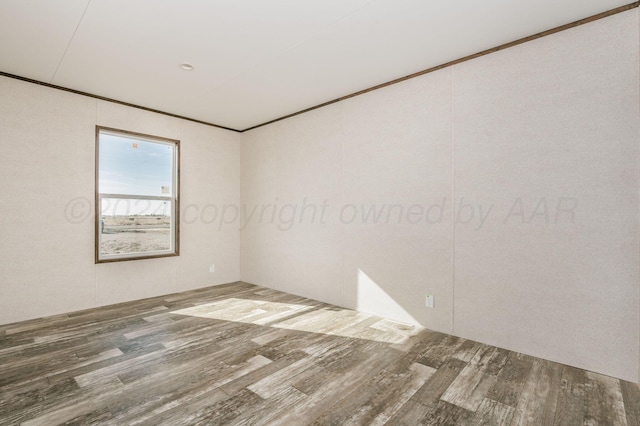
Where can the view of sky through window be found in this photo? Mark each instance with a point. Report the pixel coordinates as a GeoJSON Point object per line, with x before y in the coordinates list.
{"type": "Point", "coordinates": [131, 166]}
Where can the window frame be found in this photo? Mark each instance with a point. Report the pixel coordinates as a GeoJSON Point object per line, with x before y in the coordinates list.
{"type": "Point", "coordinates": [174, 197]}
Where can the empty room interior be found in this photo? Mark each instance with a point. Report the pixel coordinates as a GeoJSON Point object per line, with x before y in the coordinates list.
{"type": "Point", "coordinates": [354, 212]}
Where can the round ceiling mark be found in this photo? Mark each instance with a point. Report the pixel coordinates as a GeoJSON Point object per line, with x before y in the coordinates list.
{"type": "Point", "coordinates": [186, 66]}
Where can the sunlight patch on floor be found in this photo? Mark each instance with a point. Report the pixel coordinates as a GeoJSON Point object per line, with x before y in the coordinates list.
{"type": "Point", "coordinates": [313, 319]}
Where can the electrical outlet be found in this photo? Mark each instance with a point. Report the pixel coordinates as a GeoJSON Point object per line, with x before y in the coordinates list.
{"type": "Point", "coordinates": [429, 301]}
{"type": "Point", "coordinates": [212, 268]}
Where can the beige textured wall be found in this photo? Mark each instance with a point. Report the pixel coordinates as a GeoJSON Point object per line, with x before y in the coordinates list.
{"type": "Point", "coordinates": [513, 186]}
{"type": "Point", "coordinates": [47, 138]}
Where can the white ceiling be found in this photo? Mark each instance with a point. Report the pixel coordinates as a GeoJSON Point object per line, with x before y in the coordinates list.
{"type": "Point", "coordinates": [256, 60]}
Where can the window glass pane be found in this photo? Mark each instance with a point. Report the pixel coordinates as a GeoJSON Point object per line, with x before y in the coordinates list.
{"type": "Point", "coordinates": [137, 196]}
{"type": "Point", "coordinates": [131, 166]}
{"type": "Point", "coordinates": [129, 226]}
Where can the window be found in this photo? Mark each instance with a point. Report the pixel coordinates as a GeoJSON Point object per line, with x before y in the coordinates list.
{"type": "Point", "coordinates": [137, 185]}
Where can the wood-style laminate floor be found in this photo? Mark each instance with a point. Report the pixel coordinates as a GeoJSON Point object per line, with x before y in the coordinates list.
{"type": "Point", "coordinates": [239, 354]}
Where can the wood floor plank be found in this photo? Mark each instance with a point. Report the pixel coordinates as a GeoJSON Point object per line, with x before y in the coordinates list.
{"type": "Point", "coordinates": [205, 390]}
{"type": "Point", "coordinates": [29, 401]}
{"type": "Point", "coordinates": [244, 381]}
{"type": "Point", "coordinates": [439, 352]}
{"type": "Point", "coordinates": [473, 383]}
{"type": "Point", "coordinates": [431, 391]}
{"type": "Point", "coordinates": [335, 383]}
{"type": "Point", "coordinates": [101, 416]}
{"type": "Point", "coordinates": [538, 401]}
{"type": "Point", "coordinates": [491, 412]}
{"type": "Point", "coordinates": [469, 389]}
{"type": "Point", "coordinates": [489, 359]}
{"type": "Point", "coordinates": [25, 368]}
{"type": "Point", "coordinates": [571, 406]}
{"type": "Point", "coordinates": [510, 381]}
{"type": "Point", "coordinates": [277, 410]}
{"type": "Point", "coordinates": [410, 414]}
{"type": "Point", "coordinates": [388, 405]}
{"type": "Point", "coordinates": [604, 400]}
{"type": "Point", "coordinates": [215, 408]}
{"type": "Point", "coordinates": [631, 396]}
{"type": "Point", "coordinates": [106, 374]}
{"type": "Point", "coordinates": [443, 413]}
{"type": "Point", "coordinates": [467, 350]}
{"type": "Point", "coordinates": [162, 384]}
{"type": "Point", "coordinates": [386, 393]}
{"type": "Point", "coordinates": [282, 379]}
{"type": "Point", "coordinates": [90, 400]}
